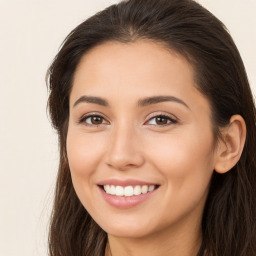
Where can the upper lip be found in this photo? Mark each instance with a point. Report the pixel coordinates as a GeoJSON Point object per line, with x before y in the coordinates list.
{"type": "Point", "coordinates": [127, 182]}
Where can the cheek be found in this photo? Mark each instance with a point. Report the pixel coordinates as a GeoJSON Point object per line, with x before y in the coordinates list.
{"type": "Point", "coordinates": [183, 150]}
{"type": "Point", "coordinates": [186, 164]}
{"type": "Point", "coordinates": [84, 152]}
{"type": "Point", "coordinates": [84, 155]}
{"type": "Point", "coordinates": [186, 160]}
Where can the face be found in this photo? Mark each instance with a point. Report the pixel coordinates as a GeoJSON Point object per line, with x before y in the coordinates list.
{"type": "Point", "coordinates": [140, 140]}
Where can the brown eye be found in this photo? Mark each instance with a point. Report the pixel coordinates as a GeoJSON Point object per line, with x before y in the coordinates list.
{"type": "Point", "coordinates": [161, 120]}
{"type": "Point", "coordinates": [93, 120]}
{"type": "Point", "coordinates": [96, 120]}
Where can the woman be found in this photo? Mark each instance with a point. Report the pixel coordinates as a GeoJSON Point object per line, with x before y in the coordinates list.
{"type": "Point", "coordinates": [156, 125]}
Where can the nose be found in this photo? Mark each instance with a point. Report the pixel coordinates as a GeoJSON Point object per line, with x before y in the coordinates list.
{"type": "Point", "coordinates": [124, 151]}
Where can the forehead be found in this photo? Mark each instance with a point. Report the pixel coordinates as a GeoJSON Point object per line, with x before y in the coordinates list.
{"type": "Point", "coordinates": [138, 62]}
{"type": "Point", "coordinates": [134, 70]}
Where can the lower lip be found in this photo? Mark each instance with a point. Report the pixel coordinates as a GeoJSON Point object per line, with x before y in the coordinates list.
{"type": "Point", "coordinates": [126, 201]}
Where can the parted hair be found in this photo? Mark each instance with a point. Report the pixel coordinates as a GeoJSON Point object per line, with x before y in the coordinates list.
{"type": "Point", "coordinates": [184, 26]}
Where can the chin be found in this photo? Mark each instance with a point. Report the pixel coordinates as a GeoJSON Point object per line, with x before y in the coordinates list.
{"type": "Point", "coordinates": [127, 232]}
{"type": "Point", "coordinates": [129, 229]}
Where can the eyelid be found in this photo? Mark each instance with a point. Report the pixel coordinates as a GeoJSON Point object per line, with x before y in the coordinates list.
{"type": "Point", "coordinates": [92, 114]}
{"type": "Point", "coordinates": [173, 119]}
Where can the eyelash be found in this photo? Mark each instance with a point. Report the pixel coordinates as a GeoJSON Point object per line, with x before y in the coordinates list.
{"type": "Point", "coordinates": [170, 119]}
{"type": "Point", "coordinates": [83, 118]}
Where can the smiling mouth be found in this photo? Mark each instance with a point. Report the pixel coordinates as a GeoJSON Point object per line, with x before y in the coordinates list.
{"type": "Point", "coordinates": [128, 191]}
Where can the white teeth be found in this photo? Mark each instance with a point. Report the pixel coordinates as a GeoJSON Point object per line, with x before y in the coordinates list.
{"type": "Point", "coordinates": [107, 188]}
{"type": "Point", "coordinates": [128, 190]}
{"type": "Point", "coordinates": [151, 188]}
{"type": "Point", "coordinates": [144, 189]}
{"type": "Point", "coordinates": [112, 190]}
{"type": "Point", "coordinates": [137, 190]}
{"type": "Point", "coordinates": [119, 191]}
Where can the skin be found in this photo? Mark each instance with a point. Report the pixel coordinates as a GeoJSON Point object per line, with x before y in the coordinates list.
{"type": "Point", "coordinates": [129, 142]}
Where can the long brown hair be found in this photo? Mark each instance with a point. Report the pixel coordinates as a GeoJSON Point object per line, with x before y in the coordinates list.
{"type": "Point", "coordinates": [229, 219]}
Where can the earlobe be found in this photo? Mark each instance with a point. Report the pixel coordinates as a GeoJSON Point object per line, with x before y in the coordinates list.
{"type": "Point", "coordinates": [231, 144]}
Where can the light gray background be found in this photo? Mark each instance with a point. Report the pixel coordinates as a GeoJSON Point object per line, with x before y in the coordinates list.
{"type": "Point", "coordinates": [30, 35]}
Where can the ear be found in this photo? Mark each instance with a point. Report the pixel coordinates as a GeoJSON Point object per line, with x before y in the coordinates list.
{"type": "Point", "coordinates": [230, 146]}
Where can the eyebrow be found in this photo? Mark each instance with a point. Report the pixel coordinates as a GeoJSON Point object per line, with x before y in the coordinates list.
{"type": "Point", "coordinates": [159, 99]}
{"type": "Point", "coordinates": [141, 103]}
{"type": "Point", "coordinates": [92, 99]}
